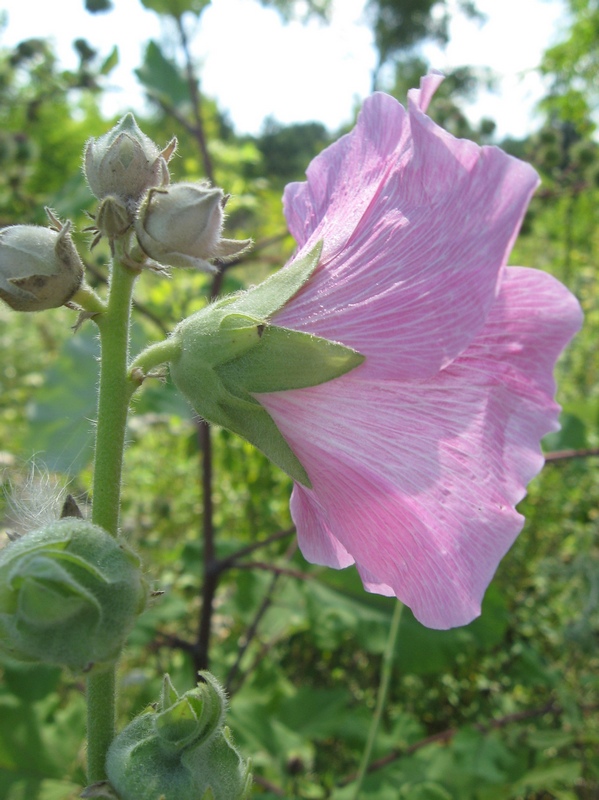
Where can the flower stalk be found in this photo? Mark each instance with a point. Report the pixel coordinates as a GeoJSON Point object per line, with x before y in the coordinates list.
{"type": "Point", "coordinates": [381, 700]}
{"type": "Point", "coordinates": [115, 394]}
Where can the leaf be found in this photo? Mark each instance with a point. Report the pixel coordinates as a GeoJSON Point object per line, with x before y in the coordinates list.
{"type": "Point", "coordinates": [60, 790]}
{"type": "Point", "coordinates": [161, 77]}
{"type": "Point", "coordinates": [61, 427]}
{"type": "Point", "coordinates": [98, 6]}
{"type": "Point", "coordinates": [558, 774]}
{"type": "Point", "coordinates": [572, 435]}
{"type": "Point", "coordinates": [31, 683]}
{"type": "Point", "coordinates": [431, 651]}
{"type": "Point", "coordinates": [546, 740]}
{"type": "Point", "coordinates": [176, 8]}
{"type": "Point", "coordinates": [316, 713]}
{"type": "Point", "coordinates": [427, 790]}
{"type": "Point", "coordinates": [110, 62]}
{"type": "Point", "coordinates": [60, 419]}
{"type": "Point", "coordinates": [334, 616]}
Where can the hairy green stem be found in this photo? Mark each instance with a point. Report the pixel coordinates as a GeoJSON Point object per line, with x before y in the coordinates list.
{"type": "Point", "coordinates": [113, 405]}
{"type": "Point", "coordinates": [381, 699]}
{"type": "Point", "coordinates": [101, 719]}
{"type": "Point", "coordinates": [88, 299]}
{"type": "Point", "coordinates": [154, 355]}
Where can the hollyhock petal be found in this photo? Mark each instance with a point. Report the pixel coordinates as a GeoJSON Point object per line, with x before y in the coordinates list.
{"type": "Point", "coordinates": [316, 541]}
{"type": "Point", "coordinates": [418, 480]}
{"type": "Point", "coordinates": [416, 225]}
{"type": "Point", "coordinates": [428, 86]}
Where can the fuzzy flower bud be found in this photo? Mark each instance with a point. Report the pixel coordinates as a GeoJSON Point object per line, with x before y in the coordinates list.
{"type": "Point", "coordinates": [179, 750]}
{"type": "Point", "coordinates": [69, 595]}
{"type": "Point", "coordinates": [39, 267]}
{"type": "Point", "coordinates": [125, 163]}
{"type": "Point", "coordinates": [181, 226]}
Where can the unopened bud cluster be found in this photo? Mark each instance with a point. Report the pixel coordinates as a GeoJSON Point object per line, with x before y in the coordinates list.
{"type": "Point", "coordinates": [176, 225]}
{"type": "Point", "coordinates": [162, 224]}
{"type": "Point", "coordinates": [179, 749]}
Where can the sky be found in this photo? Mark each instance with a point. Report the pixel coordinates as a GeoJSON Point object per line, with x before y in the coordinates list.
{"type": "Point", "coordinates": [255, 66]}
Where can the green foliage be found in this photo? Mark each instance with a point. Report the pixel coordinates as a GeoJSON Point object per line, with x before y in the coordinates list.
{"type": "Point", "coordinates": [400, 25]}
{"type": "Point", "coordinates": [40, 737]}
{"type": "Point", "coordinates": [161, 78]}
{"type": "Point", "coordinates": [503, 709]}
{"type": "Point", "coordinates": [176, 8]}
{"type": "Point", "coordinates": [98, 6]}
{"type": "Point", "coordinates": [288, 149]}
{"type": "Point", "coordinates": [573, 65]}
{"type": "Point", "coordinates": [302, 9]}
{"type": "Point", "coordinates": [459, 85]}
{"type": "Point", "coordinates": [42, 128]}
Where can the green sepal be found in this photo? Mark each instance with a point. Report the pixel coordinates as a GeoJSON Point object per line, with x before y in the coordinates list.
{"type": "Point", "coordinates": [229, 352]}
{"type": "Point", "coordinates": [191, 718]}
{"type": "Point", "coordinates": [145, 764]}
{"type": "Point", "coordinates": [270, 296]}
{"type": "Point", "coordinates": [215, 402]}
{"type": "Point", "coordinates": [284, 359]}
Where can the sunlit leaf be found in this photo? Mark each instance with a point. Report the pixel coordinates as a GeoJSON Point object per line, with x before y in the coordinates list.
{"type": "Point", "coordinates": [161, 77]}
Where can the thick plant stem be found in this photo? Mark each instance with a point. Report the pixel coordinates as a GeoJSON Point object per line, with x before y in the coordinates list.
{"type": "Point", "coordinates": [381, 699]}
{"type": "Point", "coordinates": [113, 404]}
{"type": "Point", "coordinates": [101, 714]}
{"type": "Point", "coordinates": [115, 393]}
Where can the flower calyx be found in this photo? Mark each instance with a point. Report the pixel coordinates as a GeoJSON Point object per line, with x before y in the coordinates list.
{"type": "Point", "coordinates": [230, 352]}
{"type": "Point", "coordinates": [112, 219]}
{"type": "Point", "coordinates": [179, 749]}
{"type": "Point", "coordinates": [40, 267]}
{"type": "Point", "coordinates": [181, 226]}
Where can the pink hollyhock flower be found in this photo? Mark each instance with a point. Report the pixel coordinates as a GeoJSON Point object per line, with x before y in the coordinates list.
{"type": "Point", "coordinates": [418, 457]}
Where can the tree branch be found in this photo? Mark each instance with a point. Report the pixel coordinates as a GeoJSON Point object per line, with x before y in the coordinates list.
{"type": "Point", "coordinates": [196, 102]}
{"type": "Point", "coordinates": [231, 561]}
{"type": "Point", "coordinates": [445, 736]}
{"type": "Point", "coordinates": [560, 455]}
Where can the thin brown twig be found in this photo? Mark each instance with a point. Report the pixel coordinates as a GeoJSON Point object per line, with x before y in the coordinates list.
{"type": "Point", "coordinates": [250, 634]}
{"type": "Point", "coordinates": [231, 561]}
{"type": "Point", "coordinates": [253, 628]}
{"type": "Point", "coordinates": [560, 455]}
{"type": "Point", "coordinates": [265, 784]}
{"type": "Point", "coordinates": [445, 736]}
{"type": "Point", "coordinates": [196, 101]}
{"type": "Point", "coordinates": [211, 576]}
{"type": "Point", "coordinates": [264, 565]}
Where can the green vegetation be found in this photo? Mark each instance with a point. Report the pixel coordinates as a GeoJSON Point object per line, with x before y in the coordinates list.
{"type": "Point", "coordinates": [506, 708]}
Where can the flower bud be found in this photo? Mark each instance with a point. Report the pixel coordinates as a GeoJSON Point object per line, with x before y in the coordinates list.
{"type": "Point", "coordinates": [181, 226]}
{"type": "Point", "coordinates": [125, 163]}
{"type": "Point", "coordinates": [112, 219]}
{"type": "Point", "coordinates": [69, 595]}
{"type": "Point", "coordinates": [179, 750]}
{"type": "Point", "coordinates": [39, 267]}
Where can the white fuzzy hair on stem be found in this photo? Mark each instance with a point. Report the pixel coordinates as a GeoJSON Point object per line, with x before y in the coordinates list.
{"type": "Point", "coordinates": [34, 498]}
